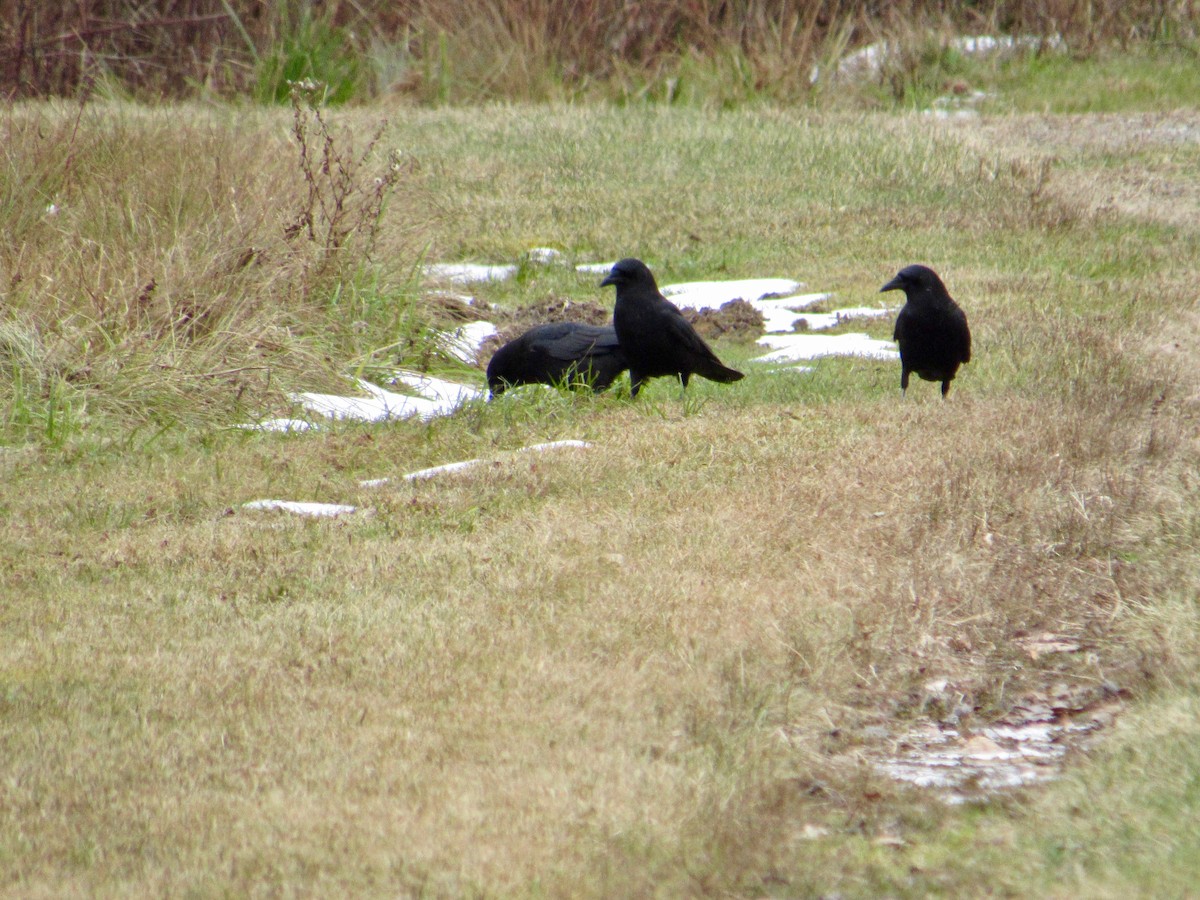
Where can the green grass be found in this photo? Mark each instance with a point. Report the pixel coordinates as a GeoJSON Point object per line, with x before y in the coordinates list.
{"type": "Point", "coordinates": [649, 667]}
{"type": "Point", "coordinates": [1108, 82]}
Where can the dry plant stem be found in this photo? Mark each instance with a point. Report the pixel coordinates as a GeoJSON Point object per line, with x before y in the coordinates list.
{"type": "Point", "coordinates": [342, 202]}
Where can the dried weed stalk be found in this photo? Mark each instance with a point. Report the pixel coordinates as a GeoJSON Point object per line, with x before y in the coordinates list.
{"type": "Point", "coordinates": [345, 200]}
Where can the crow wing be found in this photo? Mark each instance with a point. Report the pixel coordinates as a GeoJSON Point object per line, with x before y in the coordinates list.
{"type": "Point", "coordinates": [578, 341]}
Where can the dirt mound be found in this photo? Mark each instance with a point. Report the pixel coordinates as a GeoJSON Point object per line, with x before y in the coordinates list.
{"type": "Point", "coordinates": [736, 319]}
{"type": "Point", "coordinates": [512, 323]}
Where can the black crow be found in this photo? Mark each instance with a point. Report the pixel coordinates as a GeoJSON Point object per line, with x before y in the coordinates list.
{"type": "Point", "coordinates": [561, 352]}
{"type": "Point", "coordinates": [654, 335]}
{"type": "Point", "coordinates": [931, 328]}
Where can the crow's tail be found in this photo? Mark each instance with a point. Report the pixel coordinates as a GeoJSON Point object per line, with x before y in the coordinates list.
{"type": "Point", "coordinates": [714, 371]}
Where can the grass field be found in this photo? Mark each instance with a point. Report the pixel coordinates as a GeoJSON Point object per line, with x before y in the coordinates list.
{"type": "Point", "coordinates": [662, 665]}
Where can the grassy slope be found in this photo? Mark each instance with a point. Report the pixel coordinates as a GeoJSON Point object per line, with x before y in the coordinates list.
{"type": "Point", "coordinates": [637, 669]}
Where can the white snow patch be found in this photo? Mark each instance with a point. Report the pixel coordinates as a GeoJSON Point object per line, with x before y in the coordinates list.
{"type": "Point", "coordinates": [795, 347]}
{"type": "Point", "coordinates": [300, 508]}
{"type": "Point", "coordinates": [379, 407]}
{"type": "Point", "coordinates": [780, 314]}
{"type": "Point", "coordinates": [782, 318]}
{"type": "Point", "coordinates": [450, 394]}
{"type": "Point", "coordinates": [596, 268]}
{"type": "Point", "coordinates": [463, 343]}
{"type": "Point", "coordinates": [775, 298]}
{"type": "Point", "coordinates": [712, 294]}
{"type": "Point", "coordinates": [432, 471]}
{"type": "Point", "coordinates": [361, 409]}
{"type": "Point", "coordinates": [464, 273]}
{"type": "Point", "coordinates": [438, 398]}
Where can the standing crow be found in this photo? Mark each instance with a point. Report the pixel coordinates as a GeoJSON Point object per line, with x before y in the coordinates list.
{"type": "Point", "coordinates": [931, 329]}
{"type": "Point", "coordinates": [556, 353]}
{"type": "Point", "coordinates": [655, 337]}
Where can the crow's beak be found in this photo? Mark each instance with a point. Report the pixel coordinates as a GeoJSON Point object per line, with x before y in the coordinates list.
{"type": "Point", "coordinates": [610, 278]}
{"type": "Point", "coordinates": [893, 285]}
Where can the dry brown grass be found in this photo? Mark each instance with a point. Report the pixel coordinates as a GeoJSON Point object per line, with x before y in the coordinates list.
{"type": "Point", "coordinates": [141, 242]}
{"type": "Point", "coordinates": [574, 672]}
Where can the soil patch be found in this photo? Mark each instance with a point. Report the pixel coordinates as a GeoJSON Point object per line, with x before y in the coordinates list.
{"type": "Point", "coordinates": [736, 319]}
{"type": "Point", "coordinates": [512, 323]}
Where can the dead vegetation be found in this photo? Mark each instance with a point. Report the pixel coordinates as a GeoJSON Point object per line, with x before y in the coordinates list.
{"type": "Point", "coordinates": [435, 50]}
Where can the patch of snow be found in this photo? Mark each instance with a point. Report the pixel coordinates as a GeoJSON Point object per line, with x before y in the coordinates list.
{"type": "Point", "coordinates": [439, 397]}
{"type": "Point", "coordinates": [1019, 750]}
{"type": "Point", "coordinates": [711, 294]}
{"type": "Point", "coordinates": [863, 64]}
{"type": "Point", "coordinates": [379, 407]}
{"type": "Point", "coordinates": [432, 471]}
{"type": "Point", "coordinates": [775, 298]}
{"type": "Point", "coordinates": [463, 342]}
{"type": "Point", "coordinates": [596, 268]}
{"type": "Point", "coordinates": [464, 273]}
{"type": "Point", "coordinates": [300, 508]}
{"type": "Point", "coordinates": [781, 313]}
{"type": "Point", "coordinates": [795, 347]}
{"type": "Point", "coordinates": [987, 44]}
{"type": "Point", "coordinates": [450, 394]}
{"type": "Point", "coordinates": [362, 409]}
{"type": "Point", "coordinates": [823, 321]}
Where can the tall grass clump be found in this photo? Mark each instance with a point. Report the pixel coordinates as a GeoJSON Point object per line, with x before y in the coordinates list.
{"type": "Point", "coordinates": [160, 267]}
{"type": "Point", "coordinates": [312, 51]}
